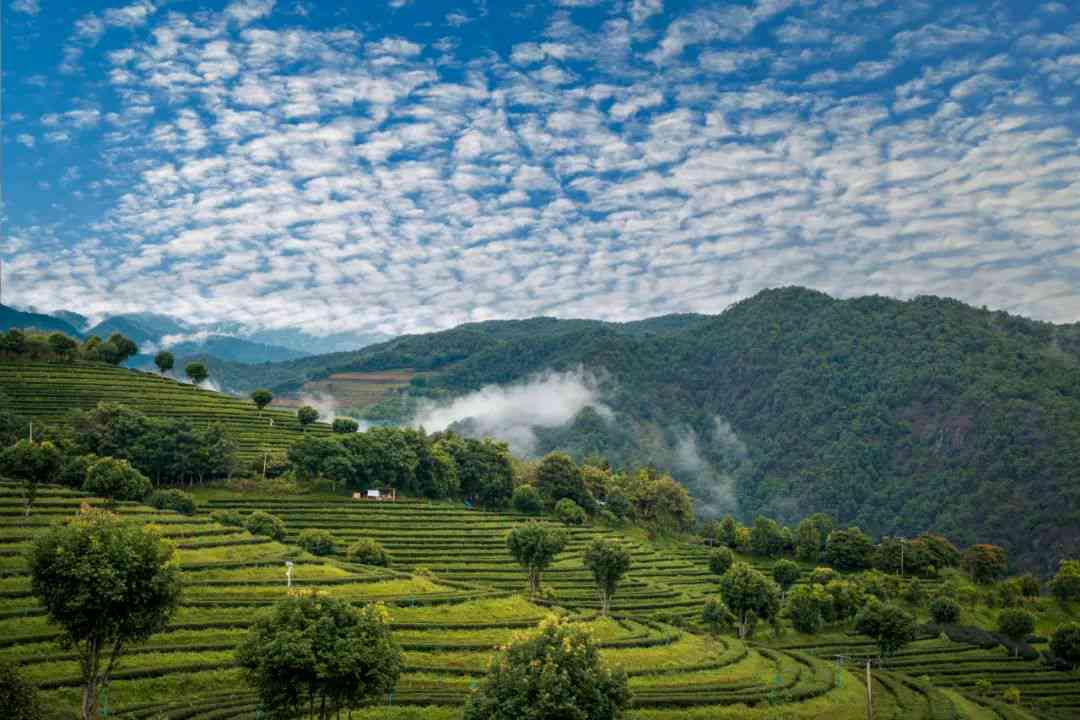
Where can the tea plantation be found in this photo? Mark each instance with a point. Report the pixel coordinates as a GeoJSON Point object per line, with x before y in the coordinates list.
{"type": "Point", "coordinates": [455, 595]}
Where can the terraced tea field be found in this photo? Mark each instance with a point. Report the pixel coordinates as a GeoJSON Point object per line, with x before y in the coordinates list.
{"type": "Point", "coordinates": [454, 596]}
{"type": "Point", "coordinates": [46, 391]}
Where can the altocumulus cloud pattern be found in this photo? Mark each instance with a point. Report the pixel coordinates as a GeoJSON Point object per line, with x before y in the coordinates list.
{"type": "Point", "coordinates": [403, 165]}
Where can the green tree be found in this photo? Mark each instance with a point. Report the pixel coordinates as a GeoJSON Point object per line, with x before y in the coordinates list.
{"type": "Point", "coordinates": [720, 560]}
{"type": "Point", "coordinates": [344, 426]}
{"type": "Point", "coordinates": [807, 608]}
{"type": "Point", "coordinates": [306, 416]}
{"type": "Point", "coordinates": [107, 584]}
{"type": "Point", "coordinates": [485, 469]}
{"type": "Point", "coordinates": [666, 505]}
{"type": "Point", "coordinates": [262, 397]}
{"type": "Point", "coordinates": [750, 595]}
{"type": "Point", "coordinates": [848, 549]}
{"type": "Point", "coordinates": [557, 673]}
{"type": "Point", "coordinates": [786, 573]}
{"type": "Point", "coordinates": [716, 617]}
{"type": "Point", "coordinates": [317, 541]}
{"type": "Point", "coordinates": [165, 361]}
{"type": "Point", "coordinates": [847, 599]}
{"type": "Point", "coordinates": [1065, 644]}
{"type": "Point", "coordinates": [62, 345]}
{"type": "Point", "coordinates": [608, 561]}
{"type": "Point", "coordinates": [18, 698]}
{"type": "Point", "coordinates": [619, 504]}
{"type": "Point", "coordinates": [263, 523]}
{"type": "Point", "coordinates": [1016, 625]}
{"type": "Point", "coordinates": [31, 464]}
{"type": "Point", "coordinates": [569, 512]}
{"type": "Point", "coordinates": [812, 536]}
{"type": "Point", "coordinates": [1066, 583]}
{"type": "Point", "coordinates": [116, 480]}
{"type": "Point", "coordinates": [318, 655]}
{"type": "Point", "coordinates": [729, 532]}
{"type": "Point", "coordinates": [766, 538]}
{"type": "Point", "coordinates": [196, 372]}
{"type": "Point", "coordinates": [367, 551]}
{"type": "Point", "coordinates": [944, 610]}
{"type": "Point", "coordinates": [534, 546]}
{"type": "Point", "coordinates": [890, 626]}
{"type": "Point", "coordinates": [558, 477]}
{"type": "Point", "coordinates": [172, 499]}
{"type": "Point", "coordinates": [985, 563]}
{"type": "Point", "coordinates": [527, 500]}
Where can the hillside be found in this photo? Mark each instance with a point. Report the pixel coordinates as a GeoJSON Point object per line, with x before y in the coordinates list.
{"type": "Point", "coordinates": [454, 596]}
{"type": "Point", "coordinates": [12, 318]}
{"type": "Point", "coordinates": [899, 416]}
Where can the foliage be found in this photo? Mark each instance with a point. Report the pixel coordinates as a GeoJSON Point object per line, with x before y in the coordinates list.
{"type": "Point", "coordinates": [19, 698]}
{"type": "Point", "coordinates": [943, 553]}
{"type": "Point", "coordinates": [228, 517]}
{"type": "Point", "coordinates": [344, 426]}
{"type": "Point", "coordinates": [750, 595]}
{"type": "Point", "coordinates": [73, 471]}
{"type": "Point", "coordinates": [527, 500]}
{"type": "Point", "coordinates": [534, 546]}
{"type": "Point", "coordinates": [317, 541]}
{"type": "Point", "coordinates": [569, 512]}
{"type": "Point", "coordinates": [890, 626]}
{"type": "Point", "coordinates": [618, 504]}
{"type": "Point", "coordinates": [484, 469]}
{"type": "Point", "coordinates": [729, 532]}
{"type": "Point", "coordinates": [320, 654]}
{"type": "Point", "coordinates": [261, 397]}
{"type": "Point", "coordinates": [17, 344]}
{"type": "Point", "coordinates": [32, 464]}
{"type": "Point", "coordinates": [1011, 695]}
{"type": "Point", "coordinates": [848, 549]}
{"type": "Point", "coordinates": [944, 611]}
{"type": "Point", "coordinates": [807, 608]}
{"type": "Point", "coordinates": [822, 575]}
{"type": "Point", "coordinates": [985, 563]}
{"type": "Point", "coordinates": [555, 673]}
{"type": "Point", "coordinates": [716, 617]}
{"type": "Point", "coordinates": [165, 361]}
{"type": "Point", "coordinates": [1015, 624]}
{"type": "Point", "coordinates": [558, 477]}
{"type": "Point", "coordinates": [172, 499]}
{"type": "Point", "coordinates": [307, 415]}
{"type": "Point", "coordinates": [107, 584]}
{"type": "Point", "coordinates": [608, 561]}
{"type": "Point", "coordinates": [721, 560]}
{"type": "Point", "coordinates": [847, 598]}
{"type": "Point", "coordinates": [263, 523]}
{"type": "Point", "coordinates": [811, 537]}
{"type": "Point", "coordinates": [1066, 583]}
{"type": "Point", "coordinates": [766, 538]}
{"type": "Point", "coordinates": [367, 551]}
{"type": "Point", "coordinates": [196, 372]}
{"type": "Point", "coordinates": [116, 480]}
{"type": "Point", "coordinates": [786, 573]}
{"type": "Point", "coordinates": [1065, 643]}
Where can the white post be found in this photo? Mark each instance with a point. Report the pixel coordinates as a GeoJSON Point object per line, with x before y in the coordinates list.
{"type": "Point", "coordinates": [869, 693]}
{"type": "Point", "coordinates": [288, 574]}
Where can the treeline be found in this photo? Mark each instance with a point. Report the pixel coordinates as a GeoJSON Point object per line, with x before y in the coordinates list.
{"type": "Point", "coordinates": [18, 344]}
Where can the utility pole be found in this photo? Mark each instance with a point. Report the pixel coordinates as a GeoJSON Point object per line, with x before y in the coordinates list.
{"type": "Point", "coordinates": [869, 693]}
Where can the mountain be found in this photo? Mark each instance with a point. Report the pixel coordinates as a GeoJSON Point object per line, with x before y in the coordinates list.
{"type": "Point", "coordinates": [899, 416]}
{"type": "Point", "coordinates": [12, 318]}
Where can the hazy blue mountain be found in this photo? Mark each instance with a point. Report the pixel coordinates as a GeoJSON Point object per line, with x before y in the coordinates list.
{"type": "Point", "coordinates": [12, 318]}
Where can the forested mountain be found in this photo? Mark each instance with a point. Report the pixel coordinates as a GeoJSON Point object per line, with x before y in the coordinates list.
{"type": "Point", "coordinates": [897, 416]}
{"type": "Point", "coordinates": [12, 318]}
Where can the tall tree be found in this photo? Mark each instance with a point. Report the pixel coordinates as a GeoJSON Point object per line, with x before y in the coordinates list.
{"type": "Point", "coordinates": [262, 397]}
{"type": "Point", "coordinates": [31, 464]}
{"type": "Point", "coordinates": [196, 372]}
{"type": "Point", "coordinates": [318, 655]}
{"type": "Point", "coordinates": [165, 361]}
{"type": "Point", "coordinates": [985, 563]}
{"type": "Point", "coordinates": [558, 477]}
{"type": "Point", "coordinates": [608, 561]}
{"type": "Point", "coordinates": [107, 583]}
{"type": "Point", "coordinates": [534, 546]}
{"type": "Point", "coordinates": [306, 416]}
{"type": "Point", "coordinates": [750, 595]}
{"type": "Point", "coordinates": [890, 626]}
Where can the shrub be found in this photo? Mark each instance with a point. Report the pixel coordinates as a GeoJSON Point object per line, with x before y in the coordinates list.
{"type": "Point", "coordinates": [1066, 584]}
{"type": "Point", "coordinates": [116, 480]}
{"type": "Point", "coordinates": [717, 617]}
{"type": "Point", "coordinates": [19, 698]}
{"type": "Point", "coordinates": [1065, 644]}
{"type": "Point", "coordinates": [569, 512]}
{"type": "Point", "coordinates": [172, 499]}
{"type": "Point", "coordinates": [983, 686]}
{"type": "Point", "coordinates": [526, 499]}
{"type": "Point", "coordinates": [786, 573]}
{"type": "Point", "coordinates": [823, 575]}
{"type": "Point", "coordinates": [721, 560]}
{"type": "Point", "coordinates": [944, 611]}
{"type": "Point", "coordinates": [228, 517]}
{"type": "Point", "coordinates": [1012, 695]}
{"type": "Point", "coordinates": [1015, 624]}
{"type": "Point", "coordinates": [807, 607]}
{"type": "Point", "coordinates": [263, 523]}
{"type": "Point", "coordinates": [890, 626]}
{"type": "Point", "coordinates": [367, 551]}
{"type": "Point", "coordinates": [317, 541]}
{"type": "Point", "coordinates": [619, 504]}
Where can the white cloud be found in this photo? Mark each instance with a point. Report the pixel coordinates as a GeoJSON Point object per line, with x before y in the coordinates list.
{"type": "Point", "coordinates": [25, 139]}
{"type": "Point", "coordinates": [29, 7]}
{"type": "Point", "coordinates": [244, 12]}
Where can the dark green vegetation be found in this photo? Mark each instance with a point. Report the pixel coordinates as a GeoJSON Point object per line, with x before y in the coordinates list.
{"type": "Point", "coordinates": [896, 416]}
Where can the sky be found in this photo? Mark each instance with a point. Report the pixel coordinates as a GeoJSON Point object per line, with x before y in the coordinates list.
{"type": "Point", "coordinates": [395, 166]}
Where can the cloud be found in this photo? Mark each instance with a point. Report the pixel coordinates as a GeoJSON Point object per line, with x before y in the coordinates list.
{"type": "Point", "coordinates": [25, 139]}
{"type": "Point", "coordinates": [243, 12]}
{"type": "Point", "coordinates": [511, 412]}
{"type": "Point", "coordinates": [29, 7]}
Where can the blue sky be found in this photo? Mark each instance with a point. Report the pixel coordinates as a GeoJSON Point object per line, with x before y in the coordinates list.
{"type": "Point", "coordinates": [407, 165]}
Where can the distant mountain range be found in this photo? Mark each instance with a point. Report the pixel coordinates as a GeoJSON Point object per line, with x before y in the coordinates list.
{"type": "Point", "coordinates": [227, 342]}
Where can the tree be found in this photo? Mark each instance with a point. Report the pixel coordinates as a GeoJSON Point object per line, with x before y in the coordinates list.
{"type": "Point", "coordinates": [485, 469]}
{"type": "Point", "coordinates": [985, 563]}
{"type": "Point", "coordinates": [890, 626]}
{"type": "Point", "coordinates": [848, 549]}
{"type": "Point", "coordinates": [1065, 644]}
{"type": "Point", "coordinates": [263, 523]}
{"type": "Point", "coordinates": [1016, 625]}
{"type": "Point", "coordinates": [367, 551]}
{"type": "Point", "coordinates": [558, 477]}
{"type": "Point", "coordinates": [306, 416]}
{"type": "Point", "coordinates": [608, 561]}
{"type": "Point", "coordinates": [556, 673]}
{"type": "Point", "coordinates": [534, 547]}
{"type": "Point", "coordinates": [317, 541]}
{"type": "Point", "coordinates": [944, 610]}
{"type": "Point", "coordinates": [1066, 583]}
{"type": "Point", "coordinates": [619, 504]}
{"type": "Point", "coordinates": [823, 575]}
{"type": "Point", "coordinates": [19, 698]}
{"type": "Point", "coordinates": [107, 584]}
{"type": "Point", "coordinates": [943, 553]}
{"type": "Point", "coordinates": [720, 560]}
{"type": "Point", "coordinates": [811, 537]}
{"type": "Point", "coordinates": [116, 480]}
{"type": "Point", "coordinates": [569, 512]}
{"type": "Point", "coordinates": [716, 617]}
{"type": "Point", "coordinates": [807, 608]}
{"type": "Point", "coordinates": [319, 655]}
{"type": "Point", "coordinates": [262, 397]}
{"type": "Point", "coordinates": [527, 500]}
{"type": "Point", "coordinates": [125, 348]}
{"type": "Point", "coordinates": [32, 464]}
{"type": "Point", "coordinates": [62, 345]}
{"type": "Point", "coordinates": [786, 573]}
{"type": "Point", "coordinates": [666, 505]}
{"type": "Point", "coordinates": [729, 532]}
{"type": "Point", "coordinates": [172, 499]}
{"type": "Point", "coordinates": [847, 599]}
{"type": "Point", "coordinates": [196, 372]}
{"type": "Point", "coordinates": [766, 538]}
{"type": "Point", "coordinates": [750, 595]}
{"type": "Point", "coordinates": [165, 361]}
{"type": "Point", "coordinates": [344, 426]}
